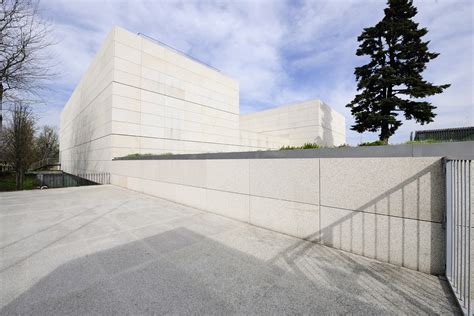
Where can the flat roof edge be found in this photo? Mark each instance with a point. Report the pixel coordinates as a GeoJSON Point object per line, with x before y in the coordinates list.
{"type": "Point", "coordinates": [457, 149]}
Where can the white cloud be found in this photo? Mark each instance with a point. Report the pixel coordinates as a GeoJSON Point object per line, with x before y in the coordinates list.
{"type": "Point", "coordinates": [279, 51]}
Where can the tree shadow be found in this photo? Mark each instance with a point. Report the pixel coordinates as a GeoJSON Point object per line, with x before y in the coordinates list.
{"type": "Point", "coordinates": [327, 137]}
{"type": "Point", "coordinates": [360, 231]}
{"type": "Point", "coordinates": [391, 226]}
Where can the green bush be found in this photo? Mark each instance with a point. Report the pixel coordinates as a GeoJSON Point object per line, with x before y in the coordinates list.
{"type": "Point", "coordinates": [8, 181]}
{"type": "Point", "coordinates": [375, 143]}
{"type": "Point", "coordinates": [305, 146]}
{"type": "Point", "coordinates": [135, 155]}
{"type": "Point", "coordinates": [425, 141]}
{"type": "Point", "coordinates": [138, 155]}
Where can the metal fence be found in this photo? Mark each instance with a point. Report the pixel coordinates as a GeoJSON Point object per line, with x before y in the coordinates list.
{"type": "Point", "coordinates": [97, 177]}
{"type": "Point", "coordinates": [458, 230]}
{"type": "Point", "coordinates": [65, 180]}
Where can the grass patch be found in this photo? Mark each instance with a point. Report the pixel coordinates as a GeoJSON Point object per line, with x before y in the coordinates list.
{"type": "Point", "coordinates": [425, 141]}
{"type": "Point", "coordinates": [8, 182]}
{"type": "Point", "coordinates": [138, 156]}
{"type": "Point", "coordinates": [374, 143]}
{"type": "Point", "coordinates": [305, 146]}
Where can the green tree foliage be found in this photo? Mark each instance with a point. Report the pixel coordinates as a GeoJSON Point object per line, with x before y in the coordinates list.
{"type": "Point", "coordinates": [393, 77]}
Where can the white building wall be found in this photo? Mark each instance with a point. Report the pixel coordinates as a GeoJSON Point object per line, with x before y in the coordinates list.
{"type": "Point", "coordinates": [139, 96]}
{"type": "Point", "coordinates": [86, 120]}
{"type": "Point", "coordinates": [166, 102]}
{"type": "Point", "coordinates": [307, 122]}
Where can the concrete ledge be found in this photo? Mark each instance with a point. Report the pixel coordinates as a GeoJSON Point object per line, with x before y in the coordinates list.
{"type": "Point", "coordinates": [456, 149]}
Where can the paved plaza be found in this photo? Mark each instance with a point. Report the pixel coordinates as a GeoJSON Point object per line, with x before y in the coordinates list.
{"type": "Point", "coordinates": [108, 250]}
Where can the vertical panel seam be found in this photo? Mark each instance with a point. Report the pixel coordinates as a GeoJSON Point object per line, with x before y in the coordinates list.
{"type": "Point", "coordinates": [249, 192]}
{"type": "Point", "coordinates": [320, 192]}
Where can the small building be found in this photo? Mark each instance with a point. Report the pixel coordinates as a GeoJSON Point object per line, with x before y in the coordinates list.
{"type": "Point", "coordinates": [141, 96]}
{"type": "Point", "coordinates": [456, 134]}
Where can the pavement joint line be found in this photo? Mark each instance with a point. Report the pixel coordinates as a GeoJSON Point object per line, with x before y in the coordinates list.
{"type": "Point", "coordinates": [128, 230]}
{"type": "Point", "coordinates": [44, 229]}
{"type": "Point", "coordinates": [50, 244]}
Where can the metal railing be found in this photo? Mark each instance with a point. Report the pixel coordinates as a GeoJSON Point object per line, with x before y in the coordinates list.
{"type": "Point", "coordinates": [446, 134]}
{"type": "Point", "coordinates": [177, 51]}
{"type": "Point", "coordinates": [65, 180]}
{"type": "Point", "coordinates": [458, 230]}
{"type": "Point", "coordinates": [97, 177]}
{"type": "Point", "coordinates": [5, 167]}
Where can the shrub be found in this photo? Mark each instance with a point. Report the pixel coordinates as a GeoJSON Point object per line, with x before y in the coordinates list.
{"type": "Point", "coordinates": [425, 141]}
{"type": "Point", "coordinates": [138, 155]}
{"type": "Point", "coordinates": [305, 146]}
{"type": "Point", "coordinates": [375, 143]}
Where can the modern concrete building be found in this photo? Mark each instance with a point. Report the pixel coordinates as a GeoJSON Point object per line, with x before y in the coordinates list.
{"type": "Point", "coordinates": [139, 96]}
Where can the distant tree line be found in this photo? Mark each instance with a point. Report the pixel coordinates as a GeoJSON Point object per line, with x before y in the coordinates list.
{"type": "Point", "coordinates": [24, 143]}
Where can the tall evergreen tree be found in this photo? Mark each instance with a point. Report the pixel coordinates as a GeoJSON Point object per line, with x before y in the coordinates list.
{"type": "Point", "coordinates": [393, 77]}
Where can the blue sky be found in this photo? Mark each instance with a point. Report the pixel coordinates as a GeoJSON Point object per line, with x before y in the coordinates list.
{"type": "Point", "coordinates": [280, 51]}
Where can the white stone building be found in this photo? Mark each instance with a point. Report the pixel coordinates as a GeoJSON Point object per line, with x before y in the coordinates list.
{"type": "Point", "coordinates": [139, 96]}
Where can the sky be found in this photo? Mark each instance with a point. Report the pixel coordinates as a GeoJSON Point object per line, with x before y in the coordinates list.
{"type": "Point", "coordinates": [279, 51]}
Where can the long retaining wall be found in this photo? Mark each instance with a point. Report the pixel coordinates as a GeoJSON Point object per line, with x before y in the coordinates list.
{"type": "Point", "coordinates": [389, 209]}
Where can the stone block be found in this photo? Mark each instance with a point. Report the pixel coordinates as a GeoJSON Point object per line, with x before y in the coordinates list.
{"type": "Point", "coordinates": [127, 78]}
{"type": "Point", "coordinates": [191, 196]}
{"type": "Point", "coordinates": [128, 53]}
{"type": "Point", "coordinates": [228, 175]}
{"type": "Point", "coordinates": [126, 37]}
{"type": "Point", "coordinates": [291, 218]}
{"type": "Point", "coordinates": [404, 187]}
{"type": "Point", "coordinates": [228, 204]}
{"type": "Point", "coordinates": [413, 244]}
{"type": "Point", "coordinates": [125, 116]}
{"type": "Point", "coordinates": [287, 179]}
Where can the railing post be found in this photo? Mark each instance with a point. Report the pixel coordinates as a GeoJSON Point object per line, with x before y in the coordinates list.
{"type": "Point", "coordinates": [449, 220]}
{"type": "Point", "coordinates": [459, 207]}
{"type": "Point", "coordinates": [470, 204]}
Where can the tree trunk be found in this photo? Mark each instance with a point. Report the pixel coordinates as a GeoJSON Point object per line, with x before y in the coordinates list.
{"type": "Point", "coordinates": [1, 106]}
{"type": "Point", "coordinates": [384, 134]}
{"type": "Point", "coordinates": [18, 181]}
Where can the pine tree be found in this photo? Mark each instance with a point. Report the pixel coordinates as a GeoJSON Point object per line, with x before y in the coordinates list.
{"type": "Point", "coordinates": [393, 77]}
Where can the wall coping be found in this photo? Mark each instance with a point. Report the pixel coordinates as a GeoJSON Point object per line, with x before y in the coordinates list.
{"type": "Point", "coordinates": [454, 149]}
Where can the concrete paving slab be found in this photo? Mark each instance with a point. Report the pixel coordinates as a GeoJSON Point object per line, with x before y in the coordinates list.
{"type": "Point", "coordinates": [117, 251]}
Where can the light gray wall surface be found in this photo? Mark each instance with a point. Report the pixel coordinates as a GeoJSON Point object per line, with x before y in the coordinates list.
{"type": "Point", "coordinates": [390, 209]}
{"type": "Point", "coordinates": [306, 122]}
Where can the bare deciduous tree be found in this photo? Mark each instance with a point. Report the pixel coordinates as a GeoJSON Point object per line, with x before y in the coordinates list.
{"type": "Point", "coordinates": [18, 140]}
{"type": "Point", "coordinates": [24, 37]}
{"type": "Point", "coordinates": [47, 143]}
